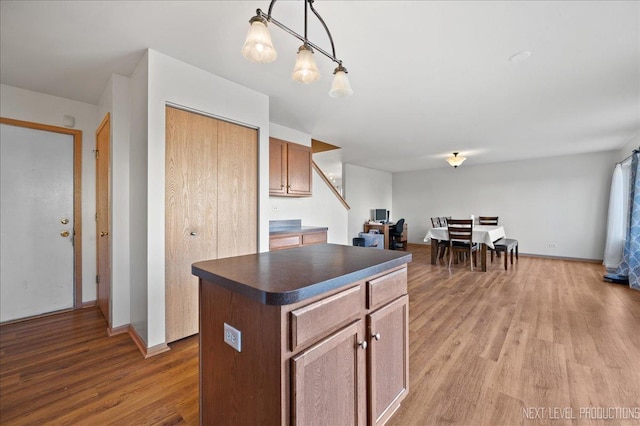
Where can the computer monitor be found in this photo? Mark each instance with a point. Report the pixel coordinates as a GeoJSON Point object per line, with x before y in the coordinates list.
{"type": "Point", "coordinates": [381, 215]}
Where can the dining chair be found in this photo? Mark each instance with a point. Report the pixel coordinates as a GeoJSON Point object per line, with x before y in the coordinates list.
{"type": "Point", "coordinates": [443, 245]}
{"type": "Point", "coordinates": [443, 220]}
{"type": "Point", "coordinates": [488, 220]}
{"type": "Point", "coordinates": [461, 239]}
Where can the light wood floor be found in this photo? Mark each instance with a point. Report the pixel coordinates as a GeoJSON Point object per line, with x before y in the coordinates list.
{"type": "Point", "coordinates": [488, 348]}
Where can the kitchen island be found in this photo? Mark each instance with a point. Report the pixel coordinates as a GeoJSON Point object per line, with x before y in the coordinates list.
{"type": "Point", "coordinates": [314, 334]}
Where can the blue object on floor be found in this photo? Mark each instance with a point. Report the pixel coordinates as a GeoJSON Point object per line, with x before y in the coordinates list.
{"type": "Point", "coordinates": [616, 278]}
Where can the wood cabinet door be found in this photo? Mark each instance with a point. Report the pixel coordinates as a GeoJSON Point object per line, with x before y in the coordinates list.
{"type": "Point", "coordinates": [328, 380]}
{"type": "Point", "coordinates": [277, 167]}
{"type": "Point", "coordinates": [190, 214]}
{"type": "Point", "coordinates": [298, 169]}
{"type": "Point", "coordinates": [237, 215]}
{"type": "Point", "coordinates": [388, 359]}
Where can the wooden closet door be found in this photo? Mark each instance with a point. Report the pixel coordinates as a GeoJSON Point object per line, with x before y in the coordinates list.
{"type": "Point", "coordinates": [237, 190]}
{"type": "Point", "coordinates": [191, 204]}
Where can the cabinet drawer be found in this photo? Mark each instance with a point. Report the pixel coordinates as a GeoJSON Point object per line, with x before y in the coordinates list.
{"type": "Point", "coordinates": [314, 238]}
{"type": "Point", "coordinates": [318, 319]}
{"type": "Point", "coordinates": [386, 288]}
{"type": "Point", "coordinates": [276, 243]}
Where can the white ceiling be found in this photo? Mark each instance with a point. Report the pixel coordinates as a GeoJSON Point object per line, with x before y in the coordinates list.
{"type": "Point", "coordinates": [429, 77]}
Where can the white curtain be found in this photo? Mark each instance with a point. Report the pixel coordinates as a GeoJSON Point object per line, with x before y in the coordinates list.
{"type": "Point", "coordinates": [617, 222]}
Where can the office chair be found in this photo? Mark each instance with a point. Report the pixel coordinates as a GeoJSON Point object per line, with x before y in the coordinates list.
{"type": "Point", "coordinates": [395, 236]}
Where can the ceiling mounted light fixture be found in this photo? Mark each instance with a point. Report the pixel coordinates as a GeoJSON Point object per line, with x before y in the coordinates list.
{"type": "Point", "coordinates": [259, 48]}
{"type": "Point", "coordinates": [455, 161]}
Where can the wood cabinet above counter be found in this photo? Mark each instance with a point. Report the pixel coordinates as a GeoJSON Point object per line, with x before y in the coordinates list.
{"type": "Point", "coordinates": [289, 169]}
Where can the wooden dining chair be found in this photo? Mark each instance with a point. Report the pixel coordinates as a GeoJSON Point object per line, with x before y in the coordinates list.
{"type": "Point", "coordinates": [488, 220]}
{"type": "Point", "coordinates": [461, 239]}
{"type": "Point", "coordinates": [443, 245]}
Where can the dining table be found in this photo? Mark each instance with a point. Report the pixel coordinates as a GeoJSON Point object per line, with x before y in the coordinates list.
{"type": "Point", "coordinates": [484, 235]}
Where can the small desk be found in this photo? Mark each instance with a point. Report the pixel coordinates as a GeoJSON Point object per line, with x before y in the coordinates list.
{"type": "Point", "coordinates": [384, 230]}
{"type": "Point", "coordinates": [485, 235]}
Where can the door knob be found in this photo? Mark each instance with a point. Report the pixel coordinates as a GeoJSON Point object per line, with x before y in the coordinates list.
{"type": "Point", "coordinates": [102, 234]}
{"type": "Point", "coordinates": [64, 234]}
{"type": "Point", "coordinates": [64, 221]}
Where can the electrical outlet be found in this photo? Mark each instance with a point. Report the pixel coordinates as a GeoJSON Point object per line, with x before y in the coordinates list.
{"type": "Point", "coordinates": [233, 337]}
{"type": "Point", "coordinates": [553, 245]}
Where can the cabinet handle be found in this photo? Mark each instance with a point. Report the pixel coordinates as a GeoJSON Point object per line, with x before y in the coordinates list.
{"type": "Point", "coordinates": [193, 234]}
{"type": "Point", "coordinates": [288, 186]}
{"type": "Point", "coordinates": [376, 336]}
{"type": "Point", "coordinates": [282, 186]}
{"type": "Point", "coordinates": [363, 344]}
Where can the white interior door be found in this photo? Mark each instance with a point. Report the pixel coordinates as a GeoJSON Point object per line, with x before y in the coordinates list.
{"type": "Point", "coordinates": [36, 222]}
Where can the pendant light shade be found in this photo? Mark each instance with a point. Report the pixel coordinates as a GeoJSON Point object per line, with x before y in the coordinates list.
{"type": "Point", "coordinates": [258, 46]}
{"type": "Point", "coordinates": [305, 70]}
{"type": "Point", "coordinates": [340, 86]}
{"type": "Point", "coordinates": [455, 161]}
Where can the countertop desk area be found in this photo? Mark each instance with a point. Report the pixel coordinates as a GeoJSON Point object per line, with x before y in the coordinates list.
{"type": "Point", "coordinates": [383, 228]}
{"type": "Point", "coordinates": [322, 333]}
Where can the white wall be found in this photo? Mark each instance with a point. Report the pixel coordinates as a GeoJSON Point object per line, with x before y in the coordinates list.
{"type": "Point", "coordinates": [115, 101]}
{"type": "Point", "coordinates": [322, 209]}
{"type": "Point", "coordinates": [27, 105]}
{"type": "Point", "coordinates": [559, 200]}
{"type": "Point", "coordinates": [138, 197]}
{"type": "Point", "coordinates": [367, 189]}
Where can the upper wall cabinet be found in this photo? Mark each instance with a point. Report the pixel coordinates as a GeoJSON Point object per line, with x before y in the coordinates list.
{"type": "Point", "coordinates": [289, 169]}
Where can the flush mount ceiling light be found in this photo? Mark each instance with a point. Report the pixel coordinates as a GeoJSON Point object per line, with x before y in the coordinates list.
{"type": "Point", "coordinates": [259, 48]}
{"type": "Point", "coordinates": [455, 161]}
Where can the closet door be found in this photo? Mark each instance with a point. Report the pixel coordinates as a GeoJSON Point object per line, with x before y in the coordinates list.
{"type": "Point", "coordinates": [237, 190]}
{"type": "Point", "coordinates": [191, 204]}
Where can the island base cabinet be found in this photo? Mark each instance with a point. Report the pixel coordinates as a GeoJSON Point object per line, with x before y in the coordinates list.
{"type": "Point", "coordinates": [327, 360]}
{"type": "Point", "coordinates": [328, 380]}
{"type": "Point", "coordinates": [388, 359]}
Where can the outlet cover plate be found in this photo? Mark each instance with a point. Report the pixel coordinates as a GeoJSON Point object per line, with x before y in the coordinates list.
{"type": "Point", "coordinates": [233, 337]}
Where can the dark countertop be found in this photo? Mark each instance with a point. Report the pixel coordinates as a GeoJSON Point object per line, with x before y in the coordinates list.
{"type": "Point", "coordinates": [296, 229]}
{"type": "Point", "coordinates": [289, 276]}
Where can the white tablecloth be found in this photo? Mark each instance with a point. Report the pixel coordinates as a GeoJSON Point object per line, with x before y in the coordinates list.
{"type": "Point", "coordinates": [484, 234]}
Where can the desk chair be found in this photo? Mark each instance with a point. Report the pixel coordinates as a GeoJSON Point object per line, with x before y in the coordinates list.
{"type": "Point", "coordinates": [395, 236]}
{"type": "Point", "coordinates": [461, 239]}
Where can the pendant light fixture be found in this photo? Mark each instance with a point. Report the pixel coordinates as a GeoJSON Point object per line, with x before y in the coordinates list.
{"type": "Point", "coordinates": [455, 161]}
{"type": "Point", "coordinates": [259, 48]}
